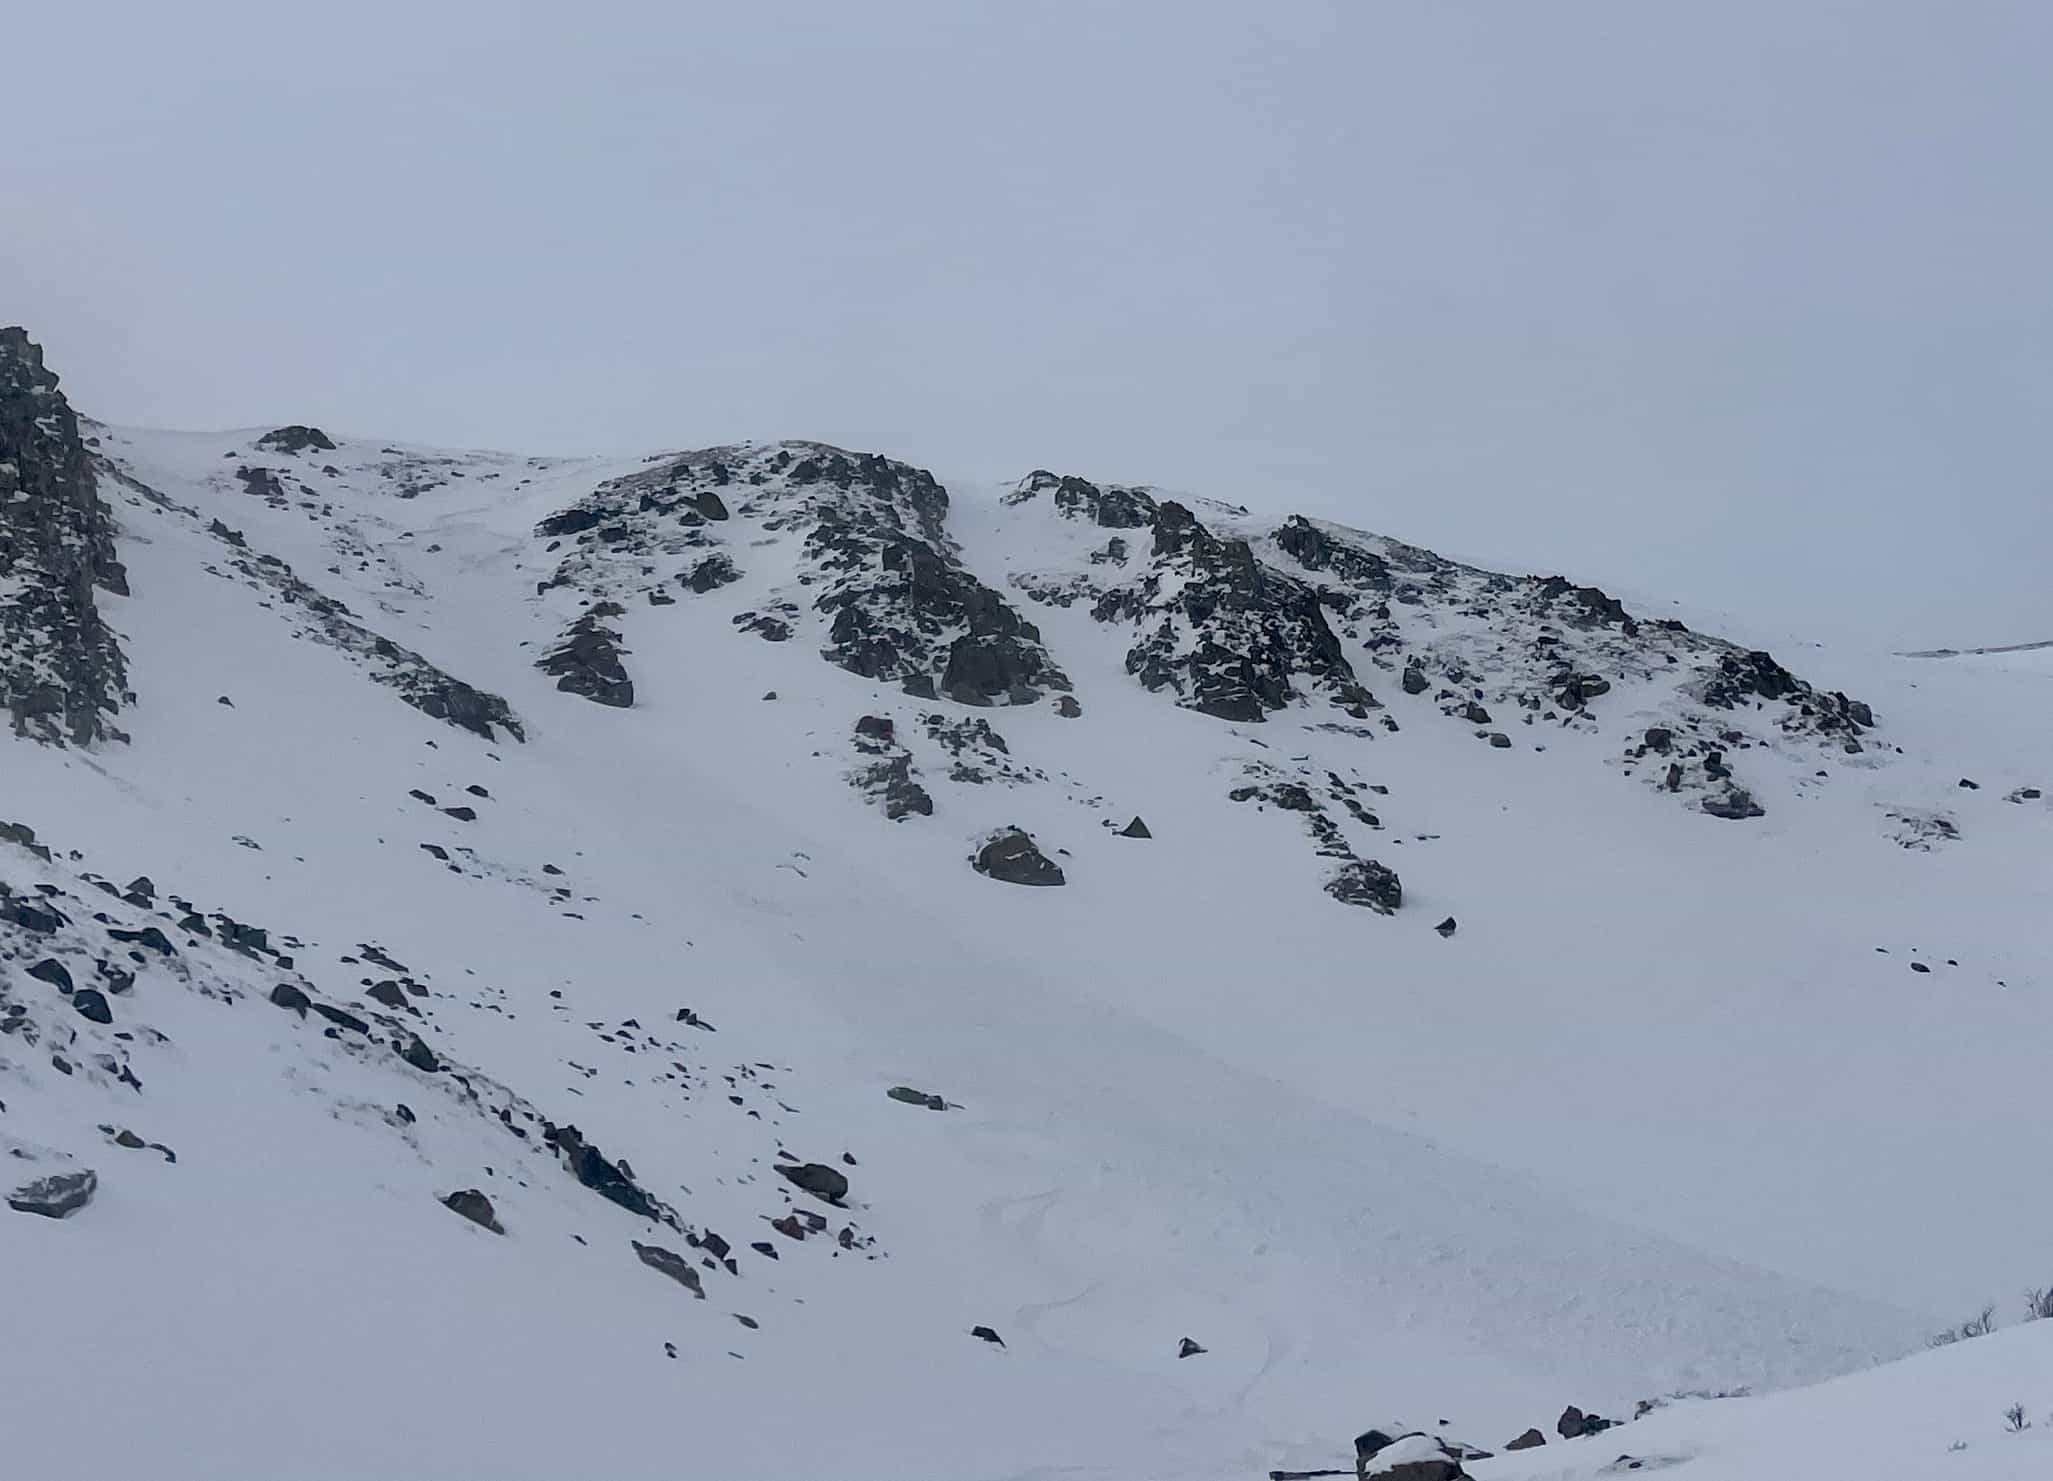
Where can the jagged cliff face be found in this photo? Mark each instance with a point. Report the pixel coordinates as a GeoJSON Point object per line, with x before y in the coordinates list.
{"type": "Point", "coordinates": [62, 676]}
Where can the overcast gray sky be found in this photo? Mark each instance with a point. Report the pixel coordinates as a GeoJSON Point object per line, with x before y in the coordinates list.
{"type": "Point", "coordinates": [1750, 303]}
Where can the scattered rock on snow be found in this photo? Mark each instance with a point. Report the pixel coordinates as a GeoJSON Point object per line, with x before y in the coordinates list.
{"type": "Point", "coordinates": [586, 661]}
{"type": "Point", "coordinates": [1415, 1457]}
{"type": "Point", "coordinates": [91, 1003]}
{"type": "Point", "coordinates": [56, 1196]}
{"type": "Point", "coordinates": [912, 1097]}
{"type": "Point", "coordinates": [1366, 882]}
{"type": "Point", "coordinates": [671, 1264]}
{"type": "Point", "coordinates": [474, 1206]}
{"type": "Point", "coordinates": [1735, 803]}
{"type": "Point", "coordinates": [817, 1179]}
{"type": "Point", "coordinates": [1013, 858]}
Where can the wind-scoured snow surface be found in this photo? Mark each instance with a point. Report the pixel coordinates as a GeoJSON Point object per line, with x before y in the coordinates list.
{"type": "Point", "coordinates": [1669, 1110]}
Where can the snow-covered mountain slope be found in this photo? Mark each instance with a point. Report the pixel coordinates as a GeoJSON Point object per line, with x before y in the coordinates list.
{"type": "Point", "coordinates": [603, 836]}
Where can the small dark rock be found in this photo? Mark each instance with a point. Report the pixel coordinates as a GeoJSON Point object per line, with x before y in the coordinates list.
{"type": "Point", "coordinates": [57, 1195]}
{"type": "Point", "coordinates": [1135, 829]}
{"type": "Point", "coordinates": [671, 1264]}
{"type": "Point", "coordinates": [1188, 1349]}
{"type": "Point", "coordinates": [988, 1335]}
{"type": "Point", "coordinates": [1446, 927]}
{"type": "Point", "coordinates": [52, 971]}
{"type": "Point", "coordinates": [285, 995]}
{"type": "Point", "coordinates": [1012, 858]}
{"type": "Point", "coordinates": [474, 1206]}
{"type": "Point", "coordinates": [817, 1179]}
{"type": "Point", "coordinates": [1527, 1441]}
{"type": "Point", "coordinates": [1735, 803]}
{"type": "Point", "coordinates": [29, 918]}
{"type": "Point", "coordinates": [92, 1003]}
{"type": "Point", "coordinates": [912, 1097]}
{"type": "Point", "coordinates": [341, 1017]}
{"type": "Point", "coordinates": [148, 936]}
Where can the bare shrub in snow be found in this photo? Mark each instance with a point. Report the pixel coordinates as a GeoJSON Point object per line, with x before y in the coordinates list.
{"type": "Point", "coordinates": [2038, 1303]}
{"type": "Point", "coordinates": [2014, 1419]}
{"type": "Point", "coordinates": [1979, 1325]}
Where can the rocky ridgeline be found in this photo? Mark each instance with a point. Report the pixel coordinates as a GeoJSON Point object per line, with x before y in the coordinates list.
{"type": "Point", "coordinates": [1241, 626]}
{"type": "Point", "coordinates": [1496, 651]}
{"type": "Point", "coordinates": [876, 566]}
{"type": "Point", "coordinates": [62, 674]}
{"type": "Point", "coordinates": [1230, 636]}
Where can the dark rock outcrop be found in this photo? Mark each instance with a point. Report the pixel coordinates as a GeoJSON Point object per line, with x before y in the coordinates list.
{"type": "Point", "coordinates": [1734, 802]}
{"type": "Point", "coordinates": [285, 995]}
{"type": "Point", "coordinates": [1225, 632]}
{"type": "Point", "coordinates": [888, 777]}
{"type": "Point", "coordinates": [474, 1206]}
{"type": "Point", "coordinates": [710, 574]}
{"type": "Point", "coordinates": [672, 1264]}
{"type": "Point", "coordinates": [295, 439]}
{"type": "Point", "coordinates": [1013, 858]}
{"type": "Point", "coordinates": [610, 1180]}
{"type": "Point", "coordinates": [62, 674]}
{"type": "Point", "coordinates": [586, 661]}
{"type": "Point", "coordinates": [91, 1003]}
{"type": "Point", "coordinates": [912, 1097]}
{"type": "Point", "coordinates": [817, 1179]}
{"type": "Point", "coordinates": [1114, 506]}
{"type": "Point", "coordinates": [55, 1196]}
{"type": "Point", "coordinates": [1366, 882]}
